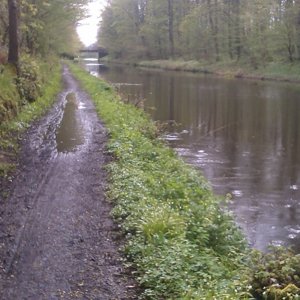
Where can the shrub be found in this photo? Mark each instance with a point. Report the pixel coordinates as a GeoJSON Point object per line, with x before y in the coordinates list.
{"type": "Point", "coordinates": [28, 80]}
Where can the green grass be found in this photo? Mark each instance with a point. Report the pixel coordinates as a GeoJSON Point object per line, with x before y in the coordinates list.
{"type": "Point", "coordinates": [283, 71]}
{"type": "Point", "coordinates": [9, 97]}
{"type": "Point", "coordinates": [272, 71]}
{"type": "Point", "coordinates": [181, 243]}
{"type": "Point", "coordinates": [176, 65]}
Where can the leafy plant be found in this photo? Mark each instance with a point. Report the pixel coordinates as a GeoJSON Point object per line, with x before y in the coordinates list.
{"type": "Point", "coordinates": [276, 274]}
{"type": "Point", "coordinates": [28, 80]}
{"type": "Point", "coordinates": [15, 118]}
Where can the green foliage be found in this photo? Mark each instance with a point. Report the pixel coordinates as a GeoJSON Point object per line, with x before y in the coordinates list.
{"type": "Point", "coordinates": [275, 275]}
{"type": "Point", "coordinates": [18, 117]}
{"type": "Point", "coordinates": [183, 245]}
{"type": "Point", "coordinates": [45, 27]}
{"type": "Point", "coordinates": [6, 168]}
{"type": "Point", "coordinates": [177, 65]}
{"type": "Point", "coordinates": [9, 97]}
{"type": "Point", "coordinates": [48, 89]}
{"type": "Point", "coordinates": [255, 32]}
{"type": "Point", "coordinates": [28, 80]}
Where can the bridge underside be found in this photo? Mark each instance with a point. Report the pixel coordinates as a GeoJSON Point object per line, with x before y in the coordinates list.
{"type": "Point", "coordinates": [101, 52]}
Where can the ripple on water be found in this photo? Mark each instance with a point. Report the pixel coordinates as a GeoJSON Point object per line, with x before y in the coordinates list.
{"type": "Point", "coordinates": [277, 243]}
{"type": "Point", "coordinates": [237, 193]}
{"type": "Point", "coordinates": [183, 151]}
{"type": "Point", "coordinates": [293, 229]}
{"type": "Point", "coordinates": [172, 137]}
{"type": "Point", "coordinates": [81, 105]}
{"type": "Point", "coordinates": [294, 187]}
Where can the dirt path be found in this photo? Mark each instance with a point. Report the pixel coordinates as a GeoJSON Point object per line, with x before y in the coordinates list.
{"type": "Point", "coordinates": [57, 240]}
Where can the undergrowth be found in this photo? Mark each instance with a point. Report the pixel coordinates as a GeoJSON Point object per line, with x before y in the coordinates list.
{"type": "Point", "coordinates": [181, 243]}
{"type": "Point", "coordinates": [17, 112]}
{"type": "Point", "coordinates": [9, 97]}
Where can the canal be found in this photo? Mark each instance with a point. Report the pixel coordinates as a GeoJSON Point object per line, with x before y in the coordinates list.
{"type": "Point", "coordinates": [244, 135]}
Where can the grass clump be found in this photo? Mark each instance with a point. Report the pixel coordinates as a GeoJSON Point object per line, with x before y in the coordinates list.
{"type": "Point", "coordinates": [179, 240]}
{"type": "Point", "coordinates": [9, 96]}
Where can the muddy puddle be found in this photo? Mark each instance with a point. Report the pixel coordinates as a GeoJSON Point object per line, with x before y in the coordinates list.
{"type": "Point", "coordinates": [69, 134]}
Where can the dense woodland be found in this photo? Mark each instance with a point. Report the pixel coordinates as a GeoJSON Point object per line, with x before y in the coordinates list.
{"type": "Point", "coordinates": [44, 27]}
{"type": "Point", "coordinates": [248, 31]}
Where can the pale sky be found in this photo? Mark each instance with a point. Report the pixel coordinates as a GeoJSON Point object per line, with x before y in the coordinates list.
{"type": "Point", "coordinates": [87, 29]}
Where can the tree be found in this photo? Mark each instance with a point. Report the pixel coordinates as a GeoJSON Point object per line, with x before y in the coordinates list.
{"type": "Point", "coordinates": [13, 49]}
{"type": "Point", "coordinates": [3, 22]}
{"type": "Point", "coordinates": [171, 26]}
{"type": "Point", "coordinates": [50, 26]}
{"type": "Point", "coordinates": [255, 32]}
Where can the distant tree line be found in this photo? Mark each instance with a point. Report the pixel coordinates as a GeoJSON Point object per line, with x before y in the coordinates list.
{"type": "Point", "coordinates": [254, 31]}
{"type": "Point", "coordinates": [42, 26]}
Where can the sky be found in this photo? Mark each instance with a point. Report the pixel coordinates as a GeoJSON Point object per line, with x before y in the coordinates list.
{"type": "Point", "coordinates": [87, 29]}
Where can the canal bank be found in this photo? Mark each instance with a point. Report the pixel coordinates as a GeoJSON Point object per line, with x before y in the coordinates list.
{"type": "Point", "coordinates": [183, 245]}
{"type": "Point", "coordinates": [242, 134]}
{"type": "Point", "coordinates": [274, 71]}
{"type": "Point", "coordinates": [288, 72]}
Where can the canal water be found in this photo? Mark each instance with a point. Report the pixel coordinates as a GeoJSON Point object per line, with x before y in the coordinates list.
{"type": "Point", "coordinates": [243, 134]}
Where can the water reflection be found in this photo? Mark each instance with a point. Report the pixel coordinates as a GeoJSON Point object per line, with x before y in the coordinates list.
{"type": "Point", "coordinates": [69, 134]}
{"type": "Point", "coordinates": [244, 135]}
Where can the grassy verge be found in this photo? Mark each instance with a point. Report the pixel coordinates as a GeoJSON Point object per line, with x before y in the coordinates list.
{"type": "Point", "coordinates": [17, 114]}
{"type": "Point", "coordinates": [181, 243]}
{"type": "Point", "coordinates": [272, 71]}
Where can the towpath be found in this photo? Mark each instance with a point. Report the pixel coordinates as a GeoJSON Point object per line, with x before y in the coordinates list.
{"type": "Point", "coordinates": [57, 240]}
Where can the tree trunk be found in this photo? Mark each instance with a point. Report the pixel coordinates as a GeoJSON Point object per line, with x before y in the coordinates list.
{"type": "Point", "coordinates": [13, 47]}
{"type": "Point", "coordinates": [228, 11]}
{"type": "Point", "coordinates": [214, 27]}
{"type": "Point", "coordinates": [171, 27]}
{"type": "Point", "coordinates": [238, 30]}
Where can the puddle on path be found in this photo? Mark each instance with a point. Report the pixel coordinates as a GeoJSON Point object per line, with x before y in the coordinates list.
{"type": "Point", "coordinates": [69, 134]}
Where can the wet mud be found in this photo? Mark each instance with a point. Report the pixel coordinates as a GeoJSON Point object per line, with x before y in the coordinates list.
{"type": "Point", "coordinates": [57, 240]}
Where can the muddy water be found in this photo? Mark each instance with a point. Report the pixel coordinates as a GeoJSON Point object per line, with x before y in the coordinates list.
{"type": "Point", "coordinates": [244, 136]}
{"type": "Point", "coordinates": [69, 134]}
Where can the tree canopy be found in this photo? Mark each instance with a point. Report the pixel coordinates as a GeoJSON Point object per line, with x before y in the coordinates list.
{"type": "Point", "coordinates": [44, 26]}
{"type": "Point", "coordinates": [256, 31]}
